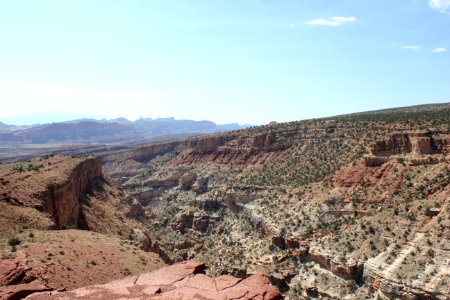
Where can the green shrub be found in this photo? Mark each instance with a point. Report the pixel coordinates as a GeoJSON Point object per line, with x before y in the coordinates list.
{"type": "Point", "coordinates": [66, 227]}
{"type": "Point", "coordinates": [14, 241]}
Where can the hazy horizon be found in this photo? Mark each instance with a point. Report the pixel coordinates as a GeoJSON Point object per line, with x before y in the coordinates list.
{"type": "Point", "coordinates": [55, 117]}
{"type": "Point", "coordinates": [247, 62]}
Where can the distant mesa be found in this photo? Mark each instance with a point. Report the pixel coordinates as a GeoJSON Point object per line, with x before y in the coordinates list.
{"type": "Point", "coordinates": [120, 130]}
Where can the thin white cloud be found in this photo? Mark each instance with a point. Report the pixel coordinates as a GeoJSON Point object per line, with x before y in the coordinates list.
{"type": "Point", "coordinates": [439, 50]}
{"type": "Point", "coordinates": [414, 47]}
{"type": "Point", "coordinates": [334, 21]}
{"type": "Point", "coordinates": [441, 5]}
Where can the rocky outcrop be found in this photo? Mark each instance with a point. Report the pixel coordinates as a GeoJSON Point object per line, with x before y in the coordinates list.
{"type": "Point", "coordinates": [375, 161]}
{"type": "Point", "coordinates": [264, 141]}
{"type": "Point", "coordinates": [62, 201]}
{"type": "Point", "coordinates": [187, 180]}
{"type": "Point", "coordinates": [411, 142]}
{"type": "Point", "coordinates": [386, 272]}
{"type": "Point", "coordinates": [200, 222]}
{"type": "Point", "coordinates": [392, 287]}
{"type": "Point", "coordinates": [170, 181]}
{"type": "Point", "coordinates": [12, 272]}
{"type": "Point", "coordinates": [149, 152]}
{"type": "Point", "coordinates": [20, 291]}
{"type": "Point", "coordinates": [185, 280]}
{"type": "Point", "coordinates": [431, 145]}
{"type": "Point", "coordinates": [347, 269]}
{"type": "Point", "coordinates": [201, 185]}
{"type": "Point", "coordinates": [396, 144]}
{"type": "Point", "coordinates": [136, 212]}
{"type": "Point", "coordinates": [254, 150]}
{"type": "Point", "coordinates": [228, 155]}
{"type": "Point", "coordinates": [182, 221]}
{"type": "Point", "coordinates": [206, 144]}
{"type": "Point", "coordinates": [186, 220]}
{"type": "Point", "coordinates": [360, 174]}
{"type": "Point", "coordinates": [234, 200]}
{"type": "Point", "coordinates": [293, 242]}
{"type": "Point", "coordinates": [17, 281]}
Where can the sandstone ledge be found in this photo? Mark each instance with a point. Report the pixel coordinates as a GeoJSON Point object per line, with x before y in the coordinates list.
{"type": "Point", "coordinates": [184, 280]}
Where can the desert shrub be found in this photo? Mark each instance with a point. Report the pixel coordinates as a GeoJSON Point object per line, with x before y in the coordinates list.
{"type": "Point", "coordinates": [67, 227]}
{"type": "Point", "coordinates": [14, 241]}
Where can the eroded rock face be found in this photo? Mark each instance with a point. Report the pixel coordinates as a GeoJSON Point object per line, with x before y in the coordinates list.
{"type": "Point", "coordinates": [17, 281]}
{"type": "Point", "coordinates": [205, 145]}
{"type": "Point", "coordinates": [137, 212]}
{"type": "Point", "coordinates": [252, 150]}
{"type": "Point", "coordinates": [20, 291]}
{"type": "Point", "coordinates": [183, 221]}
{"type": "Point", "coordinates": [169, 181]}
{"type": "Point", "coordinates": [11, 272]}
{"type": "Point", "coordinates": [395, 144]}
{"type": "Point", "coordinates": [184, 280]}
{"type": "Point", "coordinates": [186, 220]}
{"type": "Point", "coordinates": [55, 190]}
{"type": "Point", "coordinates": [62, 201]}
{"type": "Point", "coordinates": [186, 181]}
{"type": "Point", "coordinates": [148, 152]}
{"type": "Point", "coordinates": [348, 269]}
{"type": "Point", "coordinates": [412, 142]}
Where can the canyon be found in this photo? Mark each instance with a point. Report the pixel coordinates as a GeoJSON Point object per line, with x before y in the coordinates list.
{"type": "Point", "coordinates": [348, 207]}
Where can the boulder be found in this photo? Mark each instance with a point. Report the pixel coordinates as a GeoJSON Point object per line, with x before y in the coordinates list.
{"type": "Point", "coordinates": [12, 272]}
{"type": "Point", "coordinates": [20, 291]}
{"type": "Point", "coordinates": [17, 281]}
{"type": "Point", "coordinates": [186, 181]}
{"type": "Point", "coordinates": [293, 242]}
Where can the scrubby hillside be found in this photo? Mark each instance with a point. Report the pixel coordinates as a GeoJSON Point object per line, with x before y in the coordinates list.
{"type": "Point", "coordinates": [348, 208]}
{"type": "Point", "coordinates": [351, 207]}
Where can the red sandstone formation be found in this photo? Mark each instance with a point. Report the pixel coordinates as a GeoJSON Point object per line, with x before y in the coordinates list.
{"type": "Point", "coordinates": [62, 201]}
{"type": "Point", "coordinates": [17, 281]}
{"type": "Point", "coordinates": [347, 270]}
{"type": "Point", "coordinates": [361, 175]}
{"type": "Point", "coordinates": [180, 281]}
{"type": "Point", "coordinates": [55, 191]}
{"type": "Point", "coordinates": [415, 142]}
{"type": "Point", "coordinates": [396, 144]}
{"type": "Point", "coordinates": [253, 150]}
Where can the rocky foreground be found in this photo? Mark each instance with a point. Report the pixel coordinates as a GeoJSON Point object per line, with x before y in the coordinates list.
{"type": "Point", "coordinates": [186, 280]}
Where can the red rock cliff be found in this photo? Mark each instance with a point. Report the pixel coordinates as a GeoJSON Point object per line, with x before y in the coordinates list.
{"type": "Point", "coordinates": [61, 201]}
{"type": "Point", "coordinates": [148, 152]}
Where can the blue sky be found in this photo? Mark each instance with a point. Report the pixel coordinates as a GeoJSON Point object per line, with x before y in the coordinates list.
{"type": "Point", "coordinates": [247, 61]}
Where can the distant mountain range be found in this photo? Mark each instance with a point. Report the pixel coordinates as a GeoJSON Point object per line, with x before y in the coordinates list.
{"type": "Point", "coordinates": [84, 131]}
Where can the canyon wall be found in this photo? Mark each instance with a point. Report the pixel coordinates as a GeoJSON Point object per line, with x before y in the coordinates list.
{"type": "Point", "coordinates": [62, 201]}
{"type": "Point", "coordinates": [411, 142]}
